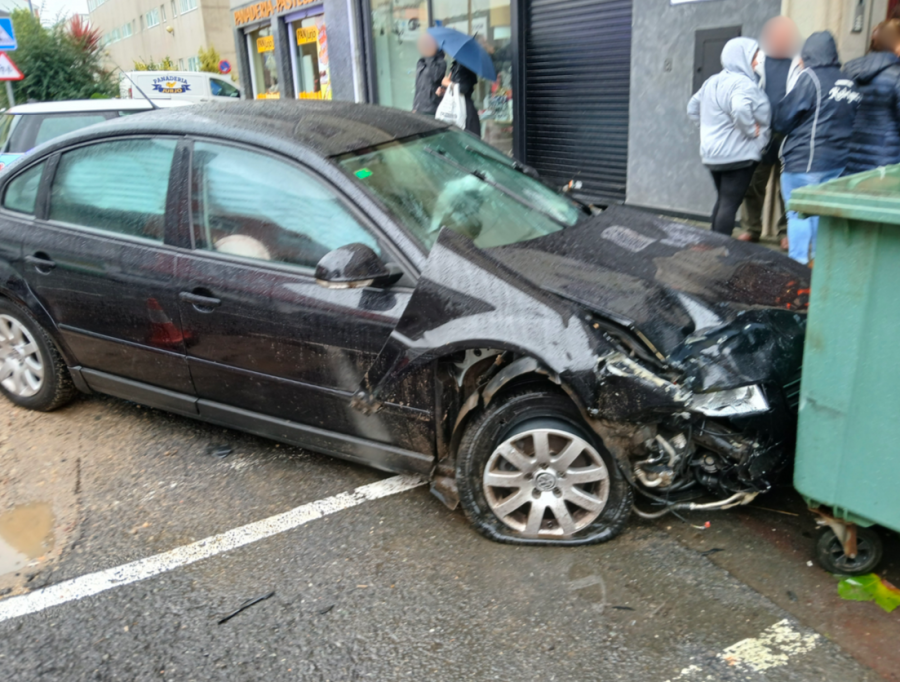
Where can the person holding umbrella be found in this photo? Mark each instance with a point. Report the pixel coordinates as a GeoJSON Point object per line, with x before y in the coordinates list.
{"type": "Point", "coordinates": [470, 60]}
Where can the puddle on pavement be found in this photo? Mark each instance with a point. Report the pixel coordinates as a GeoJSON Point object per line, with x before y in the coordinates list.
{"type": "Point", "coordinates": [26, 533]}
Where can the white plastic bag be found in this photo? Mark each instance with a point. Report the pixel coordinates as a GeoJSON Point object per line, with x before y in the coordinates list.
{"type": "Point", "coordinates": [452, 108]}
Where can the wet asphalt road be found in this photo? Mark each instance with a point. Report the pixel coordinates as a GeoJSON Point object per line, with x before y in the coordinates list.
{"type": "Point", "coordinates": [396, 588]}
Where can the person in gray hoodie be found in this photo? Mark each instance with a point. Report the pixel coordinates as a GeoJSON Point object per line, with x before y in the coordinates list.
{"type": "Point", "coordinates": [734, 115]}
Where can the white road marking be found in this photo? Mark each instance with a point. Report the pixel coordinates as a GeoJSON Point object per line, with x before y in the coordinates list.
{"type": "Point", "coordinates": [94, 583]}
{"type": "Point", "coordinates": [774, 648]}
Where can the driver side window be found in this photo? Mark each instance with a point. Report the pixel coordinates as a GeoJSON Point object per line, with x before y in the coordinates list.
{"type": "Point", "coordinates": [254, 206]}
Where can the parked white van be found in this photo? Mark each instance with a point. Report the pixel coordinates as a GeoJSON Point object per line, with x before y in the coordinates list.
{"type": "Point", "coordinates": [190, 86]}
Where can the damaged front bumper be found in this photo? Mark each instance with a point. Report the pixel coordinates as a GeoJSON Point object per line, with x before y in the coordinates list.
{"type": "Point", "coordinates": [724, 441]}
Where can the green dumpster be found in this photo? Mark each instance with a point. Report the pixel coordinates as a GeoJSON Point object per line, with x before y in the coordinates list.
{"type": "Point", "coordinates": [849, 423]}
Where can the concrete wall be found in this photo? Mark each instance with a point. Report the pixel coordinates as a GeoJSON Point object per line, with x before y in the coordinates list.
{"type": "Point", "coordinates": [664, 169]}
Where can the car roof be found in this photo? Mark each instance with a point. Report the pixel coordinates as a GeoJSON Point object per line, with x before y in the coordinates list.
{"type": "Point", "coordinates": [327, 128]}
{"type": "Point", "coordinates": [78, 106]}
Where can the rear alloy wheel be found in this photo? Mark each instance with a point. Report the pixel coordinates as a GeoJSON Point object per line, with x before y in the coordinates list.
{"type": "Point", "coordinates": [529, 472]}
{"type": "Point", "coordinates": [32, 372]}
{"type": "Point", "coordinates": [21, 365]}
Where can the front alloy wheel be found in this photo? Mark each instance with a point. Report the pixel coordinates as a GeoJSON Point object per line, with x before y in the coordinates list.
{"type": "Point", "coordinates": [530, 471]}
{"type": "Point", "coordinates": [546, 483]}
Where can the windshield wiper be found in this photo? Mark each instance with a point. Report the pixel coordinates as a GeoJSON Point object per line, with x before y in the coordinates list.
{"type": "Point", "coordinates": [530, 172]}
{"type": "Point", "coordinates": [483, 176]}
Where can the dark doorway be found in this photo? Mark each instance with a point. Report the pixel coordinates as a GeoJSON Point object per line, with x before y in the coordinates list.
{"type": "Point", "coordinates": [708, 52]}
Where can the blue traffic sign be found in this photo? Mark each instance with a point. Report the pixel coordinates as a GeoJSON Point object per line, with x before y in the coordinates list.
{"type": "Point", "coordinates": [7, 36]}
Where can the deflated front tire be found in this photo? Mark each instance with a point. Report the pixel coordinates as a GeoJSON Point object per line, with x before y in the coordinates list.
{"type": "Point", "coordinates": [530, 472]}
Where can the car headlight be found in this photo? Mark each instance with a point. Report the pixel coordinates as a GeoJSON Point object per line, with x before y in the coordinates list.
{"type": "Point", "coordinates": [735, 402]}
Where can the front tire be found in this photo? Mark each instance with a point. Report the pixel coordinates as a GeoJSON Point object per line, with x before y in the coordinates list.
{"type": "Point", "coordinates": [530, 472]}
{"type": "Point", "coordinates": [32, 372]}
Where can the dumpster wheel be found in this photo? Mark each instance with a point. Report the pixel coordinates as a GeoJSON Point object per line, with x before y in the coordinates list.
{"type": "Point", "coordinates": [832, 557]}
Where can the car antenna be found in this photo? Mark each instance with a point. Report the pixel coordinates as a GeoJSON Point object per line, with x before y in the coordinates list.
{"type": "Point", "coordinates": [153, 105]}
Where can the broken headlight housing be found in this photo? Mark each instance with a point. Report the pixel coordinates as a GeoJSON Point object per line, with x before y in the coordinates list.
{"type": "Point", "coordinates": [735, 402]}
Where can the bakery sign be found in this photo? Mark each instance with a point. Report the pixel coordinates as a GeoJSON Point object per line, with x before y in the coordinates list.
{"type": "Point", "coordinates": [262, 10]}
{"type": "Point", "coordinates": [171, 85]}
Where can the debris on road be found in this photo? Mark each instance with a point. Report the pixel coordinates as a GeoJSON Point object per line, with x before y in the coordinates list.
{"type": "Point", "coordinates": [712, 551]}
{"type": "Point", "coordinates": [870, 588]}
{"type": "Point", "coordinates": [220, 451]}
{"type": "Point", "coordinates": [246, 605]}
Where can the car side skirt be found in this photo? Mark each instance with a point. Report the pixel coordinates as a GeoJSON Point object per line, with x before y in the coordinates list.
{"type": "Point", "coordinates": [358, 450]}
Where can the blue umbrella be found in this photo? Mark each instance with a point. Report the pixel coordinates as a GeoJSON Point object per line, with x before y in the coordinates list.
{"type": "Point", "coordinates": [464, 49]}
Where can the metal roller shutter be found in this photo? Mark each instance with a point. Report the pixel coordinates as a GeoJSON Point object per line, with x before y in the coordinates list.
{"type": "Point", "coordinates": [577, 85]}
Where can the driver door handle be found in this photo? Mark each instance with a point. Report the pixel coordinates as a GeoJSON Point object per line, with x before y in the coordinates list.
{"type": "Point", "coordinates": [200, 301]}
{"type": "Point", "coordinates": [40, 262]}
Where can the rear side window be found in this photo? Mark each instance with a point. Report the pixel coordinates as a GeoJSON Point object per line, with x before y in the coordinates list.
{"type": "Point", "coordinates": [117, 186]}
{"type": "Point", "coordinates": [54, 126]}
{"type": "Point", "coordinates": [21, 192]}
{"type": "Point", "coordinates": [220, 88]}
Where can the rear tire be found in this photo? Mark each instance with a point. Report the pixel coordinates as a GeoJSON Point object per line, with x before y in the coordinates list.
{"type": "Point", "coordinates": [32, 372]}
{"type": "Point", "coordinates": [530, 472]}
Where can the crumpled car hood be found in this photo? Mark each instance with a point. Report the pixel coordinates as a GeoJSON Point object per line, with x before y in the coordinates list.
{"type": "Point", "coordinates": [723, 313]}
{"type": "Point", "coordinates": [665, 280]}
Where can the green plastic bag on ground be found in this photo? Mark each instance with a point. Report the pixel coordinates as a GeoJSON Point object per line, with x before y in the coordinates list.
{"type": "Point", "coordinates": [870, 588]}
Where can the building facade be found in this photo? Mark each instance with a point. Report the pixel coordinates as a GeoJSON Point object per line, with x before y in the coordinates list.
{"type": "Point", "coordinates": [589, 91]}
{"type": "Point", "coordinates": [144, 30]}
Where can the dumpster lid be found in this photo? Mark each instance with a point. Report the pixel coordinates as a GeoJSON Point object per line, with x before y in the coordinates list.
{"type": "Point", "coordinates": [873, 196]}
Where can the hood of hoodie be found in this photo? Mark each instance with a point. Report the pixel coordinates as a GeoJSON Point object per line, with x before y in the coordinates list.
{"type": "Point", "coordinates": [737, 57]}
{"type": "Point", "coordinates": [819, 51]}
{"type": "Point", "coordinates": [865, 69]}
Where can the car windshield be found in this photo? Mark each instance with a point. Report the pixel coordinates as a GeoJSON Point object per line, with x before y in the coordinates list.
{"type": "Point", "coordinates": [451, 179]}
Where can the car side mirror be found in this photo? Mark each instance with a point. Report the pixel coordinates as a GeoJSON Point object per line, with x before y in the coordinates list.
{"type": "Point", "coordinates": [354, 266]}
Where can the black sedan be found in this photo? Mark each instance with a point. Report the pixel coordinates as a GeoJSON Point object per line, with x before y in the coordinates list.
{"type": "Point", "coordinates": [380, 287]}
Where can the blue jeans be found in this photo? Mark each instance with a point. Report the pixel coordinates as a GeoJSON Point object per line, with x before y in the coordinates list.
{"type": "Point", "coordinates": [802, 233]}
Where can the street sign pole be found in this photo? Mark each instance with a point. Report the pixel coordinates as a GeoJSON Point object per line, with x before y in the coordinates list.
{"type": "Point", "coordinates": [9, 94]}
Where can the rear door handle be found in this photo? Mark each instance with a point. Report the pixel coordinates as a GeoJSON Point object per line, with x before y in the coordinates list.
{"type": "Point", "coordinates": [41, 262]}
{"type": "Point", "coordinates": [200, 302]}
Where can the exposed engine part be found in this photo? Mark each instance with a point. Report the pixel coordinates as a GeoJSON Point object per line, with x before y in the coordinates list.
{"type": "Point", "coordinates": [736, 500]}
{"type": "Point", "coordinates": [652, 473]}
{"type": "Point", "coordinates": [735, 402]}
{"type": "Point", "coordinates": [719, 439]}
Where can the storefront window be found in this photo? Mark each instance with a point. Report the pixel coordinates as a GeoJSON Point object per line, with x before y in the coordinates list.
{"type": "Point", "coordinates": [309, 57]}
{"type": "Point", "coordinates": [490, 22]}
{"type": "Point", "coordinates": [263, 67]}
{"type": "Point", "coordinates": [396, 26]}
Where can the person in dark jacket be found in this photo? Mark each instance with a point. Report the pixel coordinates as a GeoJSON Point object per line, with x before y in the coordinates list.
{"type": "Point", "coordinates": [816, 117]}
{"type": "Point", "coordinates": [876, 133]}
{"type": "Point", "coordinates": [779, 65]}
{"type": "Point", "coordinates": [467, 80]}
{"type": "Point", "coordinates": [430, 72]}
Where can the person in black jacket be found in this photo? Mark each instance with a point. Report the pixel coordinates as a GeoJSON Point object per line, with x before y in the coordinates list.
{"type": "Point", "coordinates": [779, 65]}
{"type": "Point", "coordinates": [467, 80]}
{"type": "Point", "coordinates": [876, 133]}
{"type": "Point", "coordinates": [817, 118]}
{"type": "Point", "coordinates": [430, 71]}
